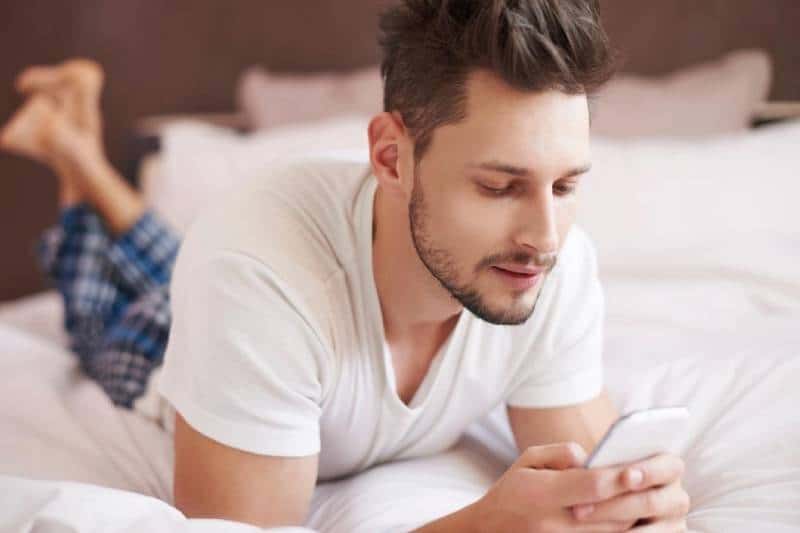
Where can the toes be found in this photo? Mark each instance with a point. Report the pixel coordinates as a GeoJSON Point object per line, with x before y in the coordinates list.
{"type": "Point", "coordinates": [38, 78]}
{"type": "Point", "coordinates": [74, 86]}
{"type": "Point", "coordinates": [86, 73]}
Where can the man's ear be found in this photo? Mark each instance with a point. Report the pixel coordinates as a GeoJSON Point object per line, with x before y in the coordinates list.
{"type": "Point", "coordinates": [386, 142]}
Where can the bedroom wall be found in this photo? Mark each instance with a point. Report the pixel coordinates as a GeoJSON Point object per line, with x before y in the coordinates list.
{"type": "Point", "coordinates": [184, 56]}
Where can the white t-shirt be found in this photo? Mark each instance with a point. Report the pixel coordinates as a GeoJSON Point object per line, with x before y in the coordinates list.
{"type": "Point", "coordinates": [277, 345]}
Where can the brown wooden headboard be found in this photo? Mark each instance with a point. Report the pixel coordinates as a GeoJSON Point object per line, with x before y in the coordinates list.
{"type": "Point", "coordinates": [183, 56]}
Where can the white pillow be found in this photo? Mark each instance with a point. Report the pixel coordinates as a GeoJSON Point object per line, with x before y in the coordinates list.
{"type": "Point", "coordinates": [269, 99]}
{"type": "Point", "coordinates": [707, 98]}
{"type": "Point", "coordinates": [712, 97]}
{"type": "Point", "coordinates": [725, 202]}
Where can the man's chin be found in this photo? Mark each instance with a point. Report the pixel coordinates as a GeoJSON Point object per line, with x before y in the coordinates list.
{"type": "Point", "coordinates": [506, 319]}
{"type": "Point", "coordinates": [510, 313]}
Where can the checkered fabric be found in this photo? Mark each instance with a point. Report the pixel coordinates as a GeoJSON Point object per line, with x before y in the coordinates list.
{"type": "Point", "coordinates": [115, 293]}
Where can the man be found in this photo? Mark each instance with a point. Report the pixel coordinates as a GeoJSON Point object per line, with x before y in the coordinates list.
{"type": "Point", "coordinates": [347, 311]}
{"type": "Point", "coordinates": [341, 314]}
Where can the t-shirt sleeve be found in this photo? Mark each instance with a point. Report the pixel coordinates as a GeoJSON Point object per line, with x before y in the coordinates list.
{"type": "Point", "coordinates": [243, 361]}
{"type": "Point", "coordinates": [564, 363]}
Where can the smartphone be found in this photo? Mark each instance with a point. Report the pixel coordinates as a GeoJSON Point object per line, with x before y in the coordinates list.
{"type": "Point", "coordinates": [640, 434]}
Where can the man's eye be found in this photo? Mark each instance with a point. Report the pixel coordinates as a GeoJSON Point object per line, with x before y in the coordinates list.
{"type": "Point", "coordinates": [564, 190]}
{"type": "Point", "coordinates": [495, 191]}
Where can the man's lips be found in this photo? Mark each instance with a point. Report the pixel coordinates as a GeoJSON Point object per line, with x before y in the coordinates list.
{"type": "Point", "coordinates": [518, 277]}
{"type": "Point", "coordinates": [521, 269]}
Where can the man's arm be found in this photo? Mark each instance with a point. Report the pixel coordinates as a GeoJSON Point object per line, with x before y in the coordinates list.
{"type": "Point", "coordinates": [215, 481]}
{"type": "Point", "coordinates": [584, 423]}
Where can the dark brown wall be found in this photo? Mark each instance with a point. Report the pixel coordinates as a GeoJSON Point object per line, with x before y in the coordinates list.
{"type": "Point", "coordinates": [658, 36]}
{"type": "Point", "coordinates": [184, 56]}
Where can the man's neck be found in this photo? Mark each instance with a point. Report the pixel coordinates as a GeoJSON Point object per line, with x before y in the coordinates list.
{"type": "Point", "coordinates": [413, 303]}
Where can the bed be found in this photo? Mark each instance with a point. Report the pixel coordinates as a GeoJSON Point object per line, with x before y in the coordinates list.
{"type": "Point", "coordinates": [703, 310]}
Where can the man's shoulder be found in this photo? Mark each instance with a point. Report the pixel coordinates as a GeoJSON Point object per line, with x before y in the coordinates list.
{"type": "Point", "coordinates": [317, 184]}
{"type": "Point", "coordinates": [287, 200]}
{"type": "Point", "coordinates": [296, 218]}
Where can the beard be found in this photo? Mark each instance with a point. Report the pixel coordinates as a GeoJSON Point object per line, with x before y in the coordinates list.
{"type": "Point", "coordinates": [442, 266]}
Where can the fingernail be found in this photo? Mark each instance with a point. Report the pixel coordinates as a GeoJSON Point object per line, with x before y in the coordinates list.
{"type": "Point", "coordinates": [582, 511]}
{"type": "Point", "coordinates": [635, 476]}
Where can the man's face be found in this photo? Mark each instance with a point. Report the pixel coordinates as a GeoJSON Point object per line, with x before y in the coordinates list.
{"type": "Point", "coordinates": [471, 223]}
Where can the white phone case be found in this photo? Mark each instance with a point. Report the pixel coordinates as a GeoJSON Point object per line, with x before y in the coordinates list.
{"type": "Point", "coordinates": [640, 434]}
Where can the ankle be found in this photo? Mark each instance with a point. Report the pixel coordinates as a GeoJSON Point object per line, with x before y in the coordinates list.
{"type": "Point", "coordinates": [68, 194]}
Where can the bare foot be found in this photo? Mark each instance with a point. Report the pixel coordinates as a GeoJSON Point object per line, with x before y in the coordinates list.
{"type": "Point", "coordinates": [71, 138]}
{"type": "Point", "coordinates": [75, 83]}
{"type": "Point", "coordinates": [26, 132]}
{"type": "Point", "coordinates": [40, 131]}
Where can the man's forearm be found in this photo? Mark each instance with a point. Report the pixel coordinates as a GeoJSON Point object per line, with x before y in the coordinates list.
{"type": "Point", "coordinates": [465, 520]}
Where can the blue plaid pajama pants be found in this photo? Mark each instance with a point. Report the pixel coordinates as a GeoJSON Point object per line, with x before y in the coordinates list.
{"type": "Point", "coordinates": [115, 294]}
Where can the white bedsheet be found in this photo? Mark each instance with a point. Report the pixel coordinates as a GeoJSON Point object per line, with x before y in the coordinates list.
{"type": "Point", "coordinates": [738, 372]}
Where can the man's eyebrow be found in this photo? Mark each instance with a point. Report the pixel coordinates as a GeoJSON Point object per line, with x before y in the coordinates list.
{"type": "Point", "coordinates": [522, 171]}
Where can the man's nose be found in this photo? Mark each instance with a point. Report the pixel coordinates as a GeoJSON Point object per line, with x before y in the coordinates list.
{"type": "Point", "coordinates": [538, 227]}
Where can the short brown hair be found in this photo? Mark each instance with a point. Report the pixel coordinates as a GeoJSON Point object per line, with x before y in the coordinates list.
{"type": "Point", "coordinates": [431, 46]}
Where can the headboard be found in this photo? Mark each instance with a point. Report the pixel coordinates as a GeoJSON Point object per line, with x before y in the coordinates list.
{"type": "Point", "coordinates": [184, 56]}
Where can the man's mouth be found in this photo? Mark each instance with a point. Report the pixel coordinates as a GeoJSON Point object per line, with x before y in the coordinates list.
{"type": "Point", "coordinates": [527, 270]}
{"type": "Point", "coordinates": [517, 277]}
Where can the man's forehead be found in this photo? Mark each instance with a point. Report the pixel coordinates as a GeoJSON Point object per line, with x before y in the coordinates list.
{"type": "Point", "coordinates": [546, 132]}
{"type": "Point", "coordinates": [486, 89]}
{"type": "Point", "coordinates": [522, 147]}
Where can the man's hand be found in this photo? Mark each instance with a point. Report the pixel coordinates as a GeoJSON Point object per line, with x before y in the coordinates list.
{"type": "Point", "coordinates": [543, 488]}
{"type": "Point", "coordinates": [658, 501]}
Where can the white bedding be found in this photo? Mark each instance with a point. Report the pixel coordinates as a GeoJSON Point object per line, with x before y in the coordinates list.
{"type": "Point", "coordinates": [742, 451]}
{"type": "Point", "coordinates": [700, 313]}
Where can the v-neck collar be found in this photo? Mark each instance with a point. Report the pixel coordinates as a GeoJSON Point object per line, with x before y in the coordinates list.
{"type": "Point", "coordinates": [379, 346]}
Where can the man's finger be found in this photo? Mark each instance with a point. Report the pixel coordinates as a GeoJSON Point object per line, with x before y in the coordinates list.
{"type": "Point", "coordinates": [654, 471]}
{"type": "Point", "coordinates": [589, 485]}
{"type": "Point", "coordinates": [668, 501]}
{"type": "Point", "coordinates": [660, 469]}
